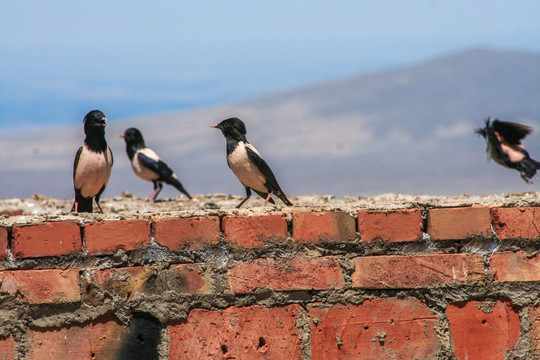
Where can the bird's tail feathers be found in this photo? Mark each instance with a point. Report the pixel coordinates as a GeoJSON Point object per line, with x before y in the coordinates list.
{"type": "Point", "coordinates": [529, 167]}
{"type": "Point", "coordinates": [178, 185]}
{"type": "Point", "coordinates": [283, 198]}
{"type": "Point", "coordinates": [84, 204]}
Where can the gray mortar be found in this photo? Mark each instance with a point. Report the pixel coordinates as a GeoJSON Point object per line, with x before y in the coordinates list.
{"type": "Point", "coordinates": [169, 306]}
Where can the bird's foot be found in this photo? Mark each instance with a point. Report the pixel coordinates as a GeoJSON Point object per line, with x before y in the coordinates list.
{"type": "Point", "coordinates": [268, 198]}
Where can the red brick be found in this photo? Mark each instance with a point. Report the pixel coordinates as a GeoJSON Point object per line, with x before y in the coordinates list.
{"type": "Point", "coordinates": [193, 233]}
{"type": "Point", "coordinates": [317, 227]}
{"type": "Point", "coordinates": [42, 286]}
{"type": "Point", "coordinates": [8, 349]}
{"type": "Point", "coordinates": [459, 223]}
{"type": "Point", "coordinates": [132, 282]}
{"type": "Point", "coordinates": [48, 239]}
{"type": "Point", "coordinates": [300, 273]}
{"type": "Point", "coordinates": [391, 226]}
{"type": "Point", "coordinates": [255, 231]}
{"type": "Point", "coordinates": [3, 243]}
{"type": "Point", "coordinates": [377, 329]}
{"type": "Point", "coordinates": [105, 237]}
{"type": "Point", "coordinates": [534, 331]}
{"type": "Point", "coordinates": [403, 272]}
{"type": "Point", "coordinates": [11, 212]}
{"type": "Point", "coordinates": [515, 266]}
{"type": "Point", "coordinates": [97, 340]}
{"type": "Point", "coordinates": [520, 222]}
{"type": "Point", "coordinates": [482, 330]}
{"type": "Point", "coordinates": [253, 333]}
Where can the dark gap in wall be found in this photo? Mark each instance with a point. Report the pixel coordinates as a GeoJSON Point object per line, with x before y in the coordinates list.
{"type": "Point", "coordinates": [142, 340]}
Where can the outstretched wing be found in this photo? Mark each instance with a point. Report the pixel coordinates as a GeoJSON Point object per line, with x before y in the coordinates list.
{"type": "Point", "coordinates": [511, 132]}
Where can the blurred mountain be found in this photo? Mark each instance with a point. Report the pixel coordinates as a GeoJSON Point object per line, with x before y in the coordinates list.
{"type": "Point", "coordinates": [407, 130]}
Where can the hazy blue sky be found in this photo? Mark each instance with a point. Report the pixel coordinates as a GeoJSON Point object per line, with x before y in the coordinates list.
{"type": "Point", "coordinates": [59, 58]}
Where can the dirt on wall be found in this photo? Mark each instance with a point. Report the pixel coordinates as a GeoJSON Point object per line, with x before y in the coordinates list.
{"type": "Point", "coordinates": [129, 205]}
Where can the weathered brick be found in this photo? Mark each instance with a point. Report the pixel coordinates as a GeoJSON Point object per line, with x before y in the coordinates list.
{"type": "Point", "coordinates": [254, 231]}
{"type": "Point", "coordinates": [515, 266]}
{"type": "Point", "coordinates": [317, 227]}
{"type": "Point", "coordinates": [459, 223]}
{"type": "Point", "coordinates": [387, 328]}
{"type": "Point", "coordinates": [132, 282]}
{"type": "Point", "coordinates": [391, 226]}
{"type": "Point", "coordinates": [105, 237]}
{"type": "Point", "coordinates": [519, 222]}
{"type": "Point", "coordinates": [193, 233]}
{"type": "Point", "coordinates": [3, 243]}
{"type": "Point", "coordinates": [42, 286]}
{"type": "Point", "coordinates": [47, 239]}
{"type": "Point", "coordinates": [254, 332]}
{"type": "Point", "coordinates": [96, 340]}
{"type": "Point", "coordinates": [299, 273]}
{"type": "Point", "coordinates": [399, 272]}
{"type": "Point", "coordinates": [8, 349]}
{"type": "Point", "coordinates": [482, 330]}
{"type": "Point", "coordinates": [534, 331]}
{"type": "Point", "coordinates": [12, 212]}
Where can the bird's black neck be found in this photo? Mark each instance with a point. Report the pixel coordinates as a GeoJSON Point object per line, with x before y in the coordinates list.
{"type": "Point", "coordinates": [96, 142]}
{"type": "Point", "coordinates": [132, 149]}
{"type": "Point", "coordinates": [232, 143]}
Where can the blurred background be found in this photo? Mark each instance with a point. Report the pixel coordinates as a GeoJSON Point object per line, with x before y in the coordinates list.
{"type": "Point", "coordinates": [342, 98]}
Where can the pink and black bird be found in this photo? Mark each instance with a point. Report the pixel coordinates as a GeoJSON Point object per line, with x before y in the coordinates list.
{"type": "Point", "coordinates": [247, 163]}
{"type": "Point", "coordinates": [93, 164]}
{"type": "Point", "coordinates": [148, 165]}
{"type": "Point", "coordinates": [503, 140]}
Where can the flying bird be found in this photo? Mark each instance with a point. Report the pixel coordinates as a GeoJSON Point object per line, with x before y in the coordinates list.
{"type": "Point", "coordinates": [148, 165]}
{"type": "Point", "coordinates": [247, 164]}
{"type": "Point", "coordinates": [93, 164]}
{"type": "Point", "coordinates": [503, 140]}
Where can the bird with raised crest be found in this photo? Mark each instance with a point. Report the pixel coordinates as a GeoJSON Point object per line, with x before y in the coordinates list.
{"type": "Point", "coordinates": [503, 145]}
{"type": "Point", "coordinates": [93, 164]}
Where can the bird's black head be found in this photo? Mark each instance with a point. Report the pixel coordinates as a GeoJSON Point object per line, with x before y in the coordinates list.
{"type": "Point", "coordinates": [232, 128]}
{"type": "Point", "coordinates": [133, 136]}
{"type": "Point", "coordinates": [483, 131]}
{"type": "Point", "coordinates": [94, 122]}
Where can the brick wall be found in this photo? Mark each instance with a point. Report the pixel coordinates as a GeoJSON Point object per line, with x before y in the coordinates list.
{"type": "Point", "coordinates": [297, 283]}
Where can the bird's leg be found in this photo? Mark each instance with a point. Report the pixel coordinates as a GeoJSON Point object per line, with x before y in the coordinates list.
{"type": "Point", "coordinates": [268, 197]}
{"type": "Point", "coordinates": [99, 207]}
{"type": "Point", "coordinates": [160, 187]}
{"type": "Point", "coordinates": [153, 193]}
{"type": "Point", "coordinates": [97, 200]}
{"type": "Point", "coordinates": [248, 195]}
{"type": "Point", "coordinates": [75, 207]}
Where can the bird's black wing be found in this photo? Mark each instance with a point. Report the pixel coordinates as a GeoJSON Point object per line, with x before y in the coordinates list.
{"type": "Point", "coordinates": [271, 182]}
{"type": "Point", "coordinates": [76, 162]}
{"type": "Point", "coordinates": [159, 167]}
{"type": "Point", "coordinates": [112, 157]}
{"type": "Point", "coordinates": [511, 132]}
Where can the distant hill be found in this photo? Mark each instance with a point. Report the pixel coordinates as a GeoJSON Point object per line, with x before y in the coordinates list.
{"type": "Point", "coordinates": [407, 130]}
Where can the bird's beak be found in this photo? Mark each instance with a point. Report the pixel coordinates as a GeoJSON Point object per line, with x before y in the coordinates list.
{"type": "Point", "coordinates": [122, 136]}
{"type": "Point", "coordinates": [102, 122]}
{"type": "Point", "coordinates": [213, 126]}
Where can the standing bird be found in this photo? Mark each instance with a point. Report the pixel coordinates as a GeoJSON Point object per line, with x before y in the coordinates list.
{"type": "Point", "coordinates": [503, 140]}
{"type": "Point", "coordinates": [148, 165]}
{"type": "Point", "coordinates": [93, 164]}
{"type": "Point", "coordinates": [247, 164]}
